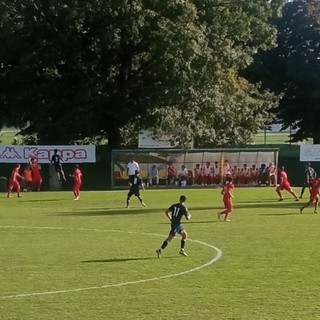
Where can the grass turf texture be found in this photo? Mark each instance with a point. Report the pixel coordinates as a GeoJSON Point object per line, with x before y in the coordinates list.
{"type": "Point", "coordinates": [269, 268]}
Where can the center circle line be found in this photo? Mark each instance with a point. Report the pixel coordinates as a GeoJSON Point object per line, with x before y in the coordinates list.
{"type": "Point", "coordinates": [33, 294]}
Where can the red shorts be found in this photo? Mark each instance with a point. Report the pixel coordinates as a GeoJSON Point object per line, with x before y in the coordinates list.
{"type": "Point", "coordinates": [314, 197]}
{"type": "Point", "coordinates": [228, 204]}
{"type": "Point", "coordinates": [285, 186]}
{"type": "Point", "coordinates": [14, 184]}
{"type": "Point", "coordinates": [77, 186]}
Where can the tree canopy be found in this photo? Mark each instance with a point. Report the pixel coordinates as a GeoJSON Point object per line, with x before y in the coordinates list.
{"type": "Point", "coordinates": [85, 69]}
{"type": "Point", "coordinates": [292, 69]}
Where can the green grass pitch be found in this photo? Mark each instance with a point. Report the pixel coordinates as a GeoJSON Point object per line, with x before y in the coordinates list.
{"type": "Point", "coordinates": [94, 259]}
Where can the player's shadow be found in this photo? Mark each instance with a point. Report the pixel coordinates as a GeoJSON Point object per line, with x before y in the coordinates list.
{"type": "Point", "coordinates": [108, 212]}
{"type": "Point", "coordinates": [185, 223]}
{"type": "Point", "coordinates": [43, 200]}
{"type": "Point", "coordinates": [280, 214]}
{"type": "Point", "coordinates": [274, 204]}
{"type": "Point", "coordinates": [204, 221]}
{"type": "Point", "coordinates": [126, 259]}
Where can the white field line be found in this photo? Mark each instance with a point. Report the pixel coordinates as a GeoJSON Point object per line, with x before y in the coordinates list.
{"type": "Point", "coordinates": [33, 294]}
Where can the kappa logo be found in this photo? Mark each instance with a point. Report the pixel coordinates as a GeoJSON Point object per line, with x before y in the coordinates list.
{"type": "Point", "coordinates": [24, 153]}
{"type": "Point", "coordinates": [66, 154]}
{"type": "Point", "coordinates": [10, 153]}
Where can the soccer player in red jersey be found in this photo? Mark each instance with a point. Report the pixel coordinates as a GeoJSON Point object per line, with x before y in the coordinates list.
{"type": "Point", "coordinates": [314, 195]}
{"type": "Point", "coordinates": [227, 198]}
{"type": "Point", "coordinates": [14, 182]}
{"type": "Point", "coordinates": [77, 181]}
{"type": "Point", "coordinates": [285, 185]}
{"type": "Point", "coordinates": [36, 173]}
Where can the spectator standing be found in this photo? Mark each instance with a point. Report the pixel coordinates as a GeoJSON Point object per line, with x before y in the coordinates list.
{"type": "Point", "coordinates": [132, 167]}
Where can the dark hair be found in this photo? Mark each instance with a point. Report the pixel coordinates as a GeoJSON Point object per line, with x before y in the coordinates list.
{"type": "Point", "coordinates": [183, 198]}
{"type": "Point", "coordinates": [55, 150]}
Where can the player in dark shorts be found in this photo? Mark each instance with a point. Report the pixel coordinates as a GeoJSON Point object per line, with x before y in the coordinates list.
{"type": "Point", "coordinates": [175, 214]}
{"type": "Point", "coordinates": [309, 175]}
{"type": "Point", "coordinates": [56, 160]}
{"type": "Point", "coordinates": [137, 183]}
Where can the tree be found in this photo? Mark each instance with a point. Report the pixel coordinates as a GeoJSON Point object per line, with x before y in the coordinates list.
{"type": "Point", "coordinates": [225, 109]}
{"type": "Point", "coordinates": [292, 69]}
{"type": "Point", "coordinates": [86, 69]}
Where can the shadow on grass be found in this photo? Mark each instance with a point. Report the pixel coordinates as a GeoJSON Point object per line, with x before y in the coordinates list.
{"type": "Point", "coordinates": [280, 214]}
{"type": "Point", "coordinates": [272, 203]}
{"type": "Point", "coordinates": [108, 212]}
{"type": "Point", "coordinates": [128, 259]}
{"type": "Point", "coordinates": [215, 208]}
{"type": "Point", "coordinates": [44, 200]}
{"type": "Point", "coordinates": [275, 204]}
{"type": "Point", "coordinates": [185, 223]}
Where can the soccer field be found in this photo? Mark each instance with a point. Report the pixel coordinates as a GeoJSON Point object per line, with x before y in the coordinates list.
{"type": "Point", "coordinates": [94, 259]}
